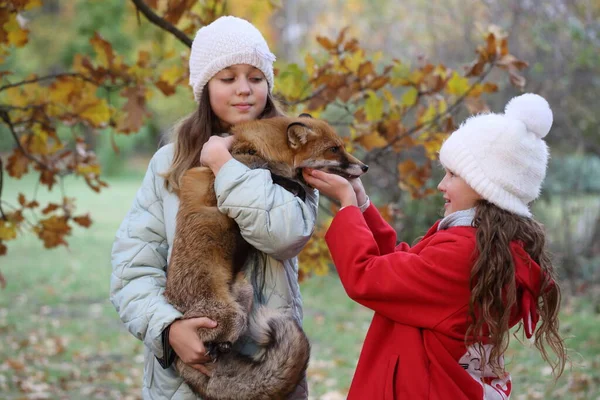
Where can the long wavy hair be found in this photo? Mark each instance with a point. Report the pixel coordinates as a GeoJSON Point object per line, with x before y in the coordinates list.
{"type": "Point", "coordinates": [190, 134]}
{"type": "Point", "coordinates": [494, 292]}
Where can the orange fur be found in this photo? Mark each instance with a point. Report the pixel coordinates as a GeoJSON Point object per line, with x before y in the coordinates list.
{"type": "Point", "coordinates": [205, 274]}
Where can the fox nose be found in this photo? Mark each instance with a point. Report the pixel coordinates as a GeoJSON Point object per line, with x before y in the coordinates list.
{"type": "Point", "coordinates": [364, 168]}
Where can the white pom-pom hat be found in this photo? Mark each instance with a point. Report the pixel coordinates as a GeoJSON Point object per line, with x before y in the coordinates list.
{"type": "Point", "coordinates": [503, 157]}
{"type": "Point", "coordinates": [225, 42]}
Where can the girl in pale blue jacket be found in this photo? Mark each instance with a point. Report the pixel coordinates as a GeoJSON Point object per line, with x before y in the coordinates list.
{"type": "Point", "coordinates": [231, 73]}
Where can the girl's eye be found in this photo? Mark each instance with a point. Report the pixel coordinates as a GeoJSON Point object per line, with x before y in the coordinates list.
{"type": "Point", "coordinates": [257, 79]}
{"type": "Point", "coordinates": [451, 174]}
{"type": "Point", "coordinates": [226, 79]}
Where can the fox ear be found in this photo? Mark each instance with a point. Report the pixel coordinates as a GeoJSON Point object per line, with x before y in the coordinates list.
{"type": "Point", "coordinates": [304, 115]}
{"type": "Point", "coordinates": [298, 134]}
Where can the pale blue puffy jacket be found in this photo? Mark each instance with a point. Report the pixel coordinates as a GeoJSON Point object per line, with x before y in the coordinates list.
{"type": "Point", "coordinates": [271, 219]}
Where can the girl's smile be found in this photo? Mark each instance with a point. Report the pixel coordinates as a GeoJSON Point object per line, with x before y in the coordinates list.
{"type": "Point", "coordinates": [458, 195]}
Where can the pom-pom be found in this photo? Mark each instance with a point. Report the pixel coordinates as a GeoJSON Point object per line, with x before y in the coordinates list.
{"type": "Point", "coordinates": [533, 110]}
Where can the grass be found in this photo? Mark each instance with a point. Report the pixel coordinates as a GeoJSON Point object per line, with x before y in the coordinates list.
{"type": "Point", "coordinates": [62, 339]}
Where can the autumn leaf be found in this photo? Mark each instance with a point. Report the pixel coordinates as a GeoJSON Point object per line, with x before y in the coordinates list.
{"type": "Point", "coordinates": [176, 9]}
{"type": "Point", "coordinates": [409, 98]}
{"type": "Point", "coordinates": [326, 43]}
{"type": "Point", "coordinates": [373, 106]}
{"type": "Point", "coordinates": [50, 207]}
{"type": "Point", "coordinates": [83, 220]}
{"type": "Point", "coordinates": [169, 79]}
{"type": "Point", "coordinates": [135, 109]}
{"type": "Point", "coordinates": [365, 69]}
{"type": "Point", "coordinates": [17, 36]}
{"type": "Point", "coordinates": [96, 113]}
{"type": "Point", "coordinates": [8, 230]}
{"type": "Point", "coordinates": [309, 65]}
{"type": "Point", "coordinates": [18, 164]}
{"type": "Point", "coordinates": [315, 256]}
{"type": "Point", "coordinates": [104, 51]}
{"type": "Point", "coordinates": [400, 74]}
{"type": "Point", "coordinates": [457, 85]}
{"type": "Point", "coordinates": [52, 231]}
{"type": "Point", "coordinates": [371, 141]}
{"type": "Point", "coordinates": [292, 82]}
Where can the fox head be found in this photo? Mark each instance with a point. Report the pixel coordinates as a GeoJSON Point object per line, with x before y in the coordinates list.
{"type": "Point", "coordinates": [285, 145]}
{"type": "Point", "coordinates": [316, 145]}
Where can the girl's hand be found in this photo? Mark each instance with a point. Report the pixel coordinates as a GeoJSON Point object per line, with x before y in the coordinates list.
{"type": "Point", "coordinates": [183, 337]}
{"type": "Point", "coordinates": [215, 152]}
{"type": "Point", "coordinates": [359, 190]}
{"type": "Point", "coordinates": [332, 186]}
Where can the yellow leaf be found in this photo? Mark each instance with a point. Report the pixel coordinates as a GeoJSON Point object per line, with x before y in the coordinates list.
{"type": "Point", "coordinates": [389, 97]}
{"type": "Point", "coordinates": [32, 4]}
{"type": "Point", "coordinates": [292, 82]}
{"type": "Point", "coordinates": [373, 107]}
{"type": "Point", "coordinates": [309, 65]}
{"type": "Point", "coordinates": [61, 89]}
{"type": "Point", "coordinates": [354, 61]}
{"type": "Point", "coordinates": [103, 49]}
{"type": "Point", "coordinates": [442, 105]}
{"type": "Point", "coordinates": [97, 113]}
{"type": "Point", "coordinates": [16, 35]}
{"type": "Point", "coordinates": [457, 85]}
{"type": "Point", "coordinates": [39, 141]}
{"type": "Point", "coordinates": [409, 97]}
{"type": "Point", "coordinates": [172, 74]}
{"type": "Point", "coordinates": [428, 115]}
{"type": "Point", "coordinates": [371, 141]}
{"type": "Point", "coordinates": [433, 143]}
{"type": "Point", "coordinates": [406, 167]}
{"type": "Point", "coordinates": [8, 230]}
{"type": "Point", "coordinates": [87, 169]}
{"type": "Point", "coordinates": [400, 74]}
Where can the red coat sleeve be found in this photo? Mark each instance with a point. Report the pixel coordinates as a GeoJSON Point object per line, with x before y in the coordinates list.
{"type": "Point", "coordinates": [384, 234]}
{"type": "Point", "coordinates": [420, 290]}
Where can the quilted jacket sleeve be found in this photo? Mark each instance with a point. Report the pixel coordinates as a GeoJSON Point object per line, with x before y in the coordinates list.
{"type": "Point", "coordinates": [270, 218]}
{"type": "Point", "coordinates": [139, 261]}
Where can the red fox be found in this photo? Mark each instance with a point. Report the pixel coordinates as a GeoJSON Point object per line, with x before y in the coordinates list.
{"type": "Point", "coordinates": [206, 271]}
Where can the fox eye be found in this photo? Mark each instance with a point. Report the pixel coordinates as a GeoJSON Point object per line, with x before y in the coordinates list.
{"type": "Point", "coordinates": [334, 149]}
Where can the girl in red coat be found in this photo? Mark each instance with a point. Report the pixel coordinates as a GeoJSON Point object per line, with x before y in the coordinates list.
{"type": "Point", "coordinates": [444, 308]}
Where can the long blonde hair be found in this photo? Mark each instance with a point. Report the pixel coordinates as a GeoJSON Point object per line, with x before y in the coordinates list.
{"type": "Point", "coordinates": [190, 134]}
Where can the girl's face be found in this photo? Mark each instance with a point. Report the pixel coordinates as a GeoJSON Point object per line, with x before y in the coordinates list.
{"type": "Point", "coordinates": [457, 193]}
{"type": "Point", "coordinates": [238, 94]}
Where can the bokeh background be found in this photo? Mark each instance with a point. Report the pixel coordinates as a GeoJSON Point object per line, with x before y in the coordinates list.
{"type": "Point", "coordinates": [60, 338]}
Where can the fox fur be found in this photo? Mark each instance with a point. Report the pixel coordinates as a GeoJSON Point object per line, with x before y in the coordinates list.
{"type": "Point", "coordinates": [206, 271]}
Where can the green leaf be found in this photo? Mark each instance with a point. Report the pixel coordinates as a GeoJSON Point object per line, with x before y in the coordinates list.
{"type": "Point", "coordinates": [292, 82]}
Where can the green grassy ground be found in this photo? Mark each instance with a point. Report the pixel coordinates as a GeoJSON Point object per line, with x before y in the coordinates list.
{"type": "Point", "coordinates": [62, 339]}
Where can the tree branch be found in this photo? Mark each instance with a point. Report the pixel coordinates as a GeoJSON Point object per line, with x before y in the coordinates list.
{"type": "Point", "coordinates": [1, 184]}
{"type": "Point", "coordinates": [44, 78]}
{"type": "Point", "coordinates": [376, 153]}
{"type": "Point", "coordinates": [161, 22]}
{"type": "Point", "coordinates": [6, 118]}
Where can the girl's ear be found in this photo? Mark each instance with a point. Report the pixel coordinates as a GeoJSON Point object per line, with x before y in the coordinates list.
{"type": "Point", "coordinates": [298, 134]}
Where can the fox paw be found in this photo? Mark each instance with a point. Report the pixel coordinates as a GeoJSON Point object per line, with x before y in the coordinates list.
{"type": "Point", "coordinates": [214, 349]}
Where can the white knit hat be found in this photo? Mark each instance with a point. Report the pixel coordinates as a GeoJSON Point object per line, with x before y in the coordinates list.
{"type": "Point", "coordinates": [227, 41]}
{"type": "Point", "coordinates": [503, 157]}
